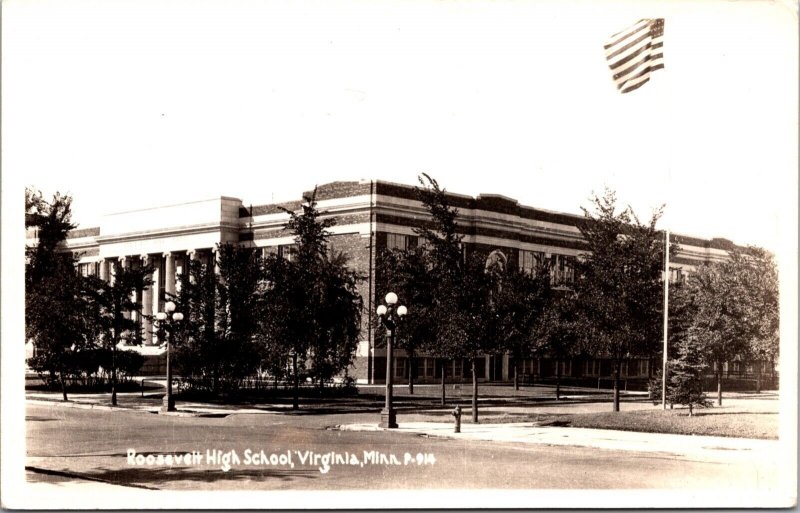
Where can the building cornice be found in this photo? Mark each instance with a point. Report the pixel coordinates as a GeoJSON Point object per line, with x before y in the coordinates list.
{"type": "Point", "coordinates": [169, 232]}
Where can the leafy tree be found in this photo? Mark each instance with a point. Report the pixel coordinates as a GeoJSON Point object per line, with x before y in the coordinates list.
{"type": "Point", "coordinates": [737, 308]}
{"type": "Point", "coordinates": [281, 335]}
{"type": "Point", "coordinates": [334, 345]}
{"type": "Point", "coordinates": [441, 238]}
{"type": "Point", "coordinates": [406, 272]}
{"type": "Point", "coordinates": [561, 333]}
{"type": "Point", "coordinates": [619, 285]}
{"type": "Point", "coordinates": [221, 320]}
{"type": "Point", "coordinates": [113, 303]}
{"type": "Point", "coordinates": [682, 311]}
{"type": "Point", "coordinates": [311, 236]}
{"type": "Point", "coordinates": [441, 244]}
{"type": "Point", "coordinates": [520, 302]}
{"type": "Point", "coordinates": [56, 310]}
{"type": "Point", "coordinates": [128, 363]}
{"type": "Point", "coordinates": [312, 304]}
{"type": "Point", "coordinates": [463, 302]}
{"type": "Point", "coordinates": [52, 221]}
{"type": "Point", "coordinates": [196, 357]}
{"type": "Point", "coordinates": [474, 315]}
{"type": "Point", "coordinates": [763, 287]}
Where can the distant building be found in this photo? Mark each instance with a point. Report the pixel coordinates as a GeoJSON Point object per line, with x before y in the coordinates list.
{"type": "Point", "coordinates": [370, 217]}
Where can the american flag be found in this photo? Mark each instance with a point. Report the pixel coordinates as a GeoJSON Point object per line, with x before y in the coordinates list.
{"type": "Point", "coordinates": [635, 53]}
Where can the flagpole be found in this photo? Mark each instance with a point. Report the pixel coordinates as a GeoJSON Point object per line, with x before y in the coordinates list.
{"type": "Point", "coordinates": [666, 320]}
{"type": "Point", "coordinates": [667, 81]}
{"type": "Point", "coordinates": [633, 55]}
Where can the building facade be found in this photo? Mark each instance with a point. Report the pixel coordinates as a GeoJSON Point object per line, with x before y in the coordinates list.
{"type": "Point", "coordinates": [371, 216]}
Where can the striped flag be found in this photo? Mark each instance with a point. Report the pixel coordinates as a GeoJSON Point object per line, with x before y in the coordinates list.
{"type": "Point", "coordinates": [635, 53]}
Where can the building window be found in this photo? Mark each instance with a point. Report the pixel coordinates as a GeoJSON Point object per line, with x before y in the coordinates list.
{"type": "Point", "coordinates": [643, 367]}
{"type": "Point", "coordinates": [269, 250]}
{"type": "Point", "coordinates": [396, 241]}
{"type": "Point", "coordinates": [480, 367]}
{"type": "Point", "coordinates": [400, 367]}
{"type": "Point", "coordinates": [420, 367]}
{"type": "Point", "coordinates": [676, 275]}
{"type": "Point", "coordinates": [529, 366]}
{"type": "Point", "coordinates": [530, 261]}
{"type": "Point", "coordinates": [288, 251]}
{"type": "Point", "coordinates": [562, 269]}
{"type": "Point", "coordinates": [425, 367]}
{"type": "Point", "coordinates": [592, 368]}
{"type": "Point", "coordinates": [89, 269]}
{"type": "Point", "coordinates": [496, 261]}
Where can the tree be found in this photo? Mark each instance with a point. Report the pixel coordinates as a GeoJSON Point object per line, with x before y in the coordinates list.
{"type": "Point", "coordinates": [463, 287]}
{"type": "Point", "coordinates": [520, 302]}
{"type": "Point", "coordinates": [407, 273]}
{"type": "Point", "coordinates": [221, 320]}
{"type": "Point", "coordinates": [56, 311]}
{"type": "Point", "coordinates": [113, 303]}
{"type": "Point", "coordinates": [314, 298]}
{"type": "Point", "coordinates": [737, 308]}
{"type": "Point", "coordinates": [281, 333]}
{"type": "Point", "coordinates": [52, 221]}
{"type": "Point", "coordinates": [686, 370]}
{"type": "Point", "coordinates": [475, 312]}
{"type": "Point", "coordinates": [763, 287]}
{"type": "Point", "coordinates": [618, 285]}
{"type": "Point", "coordinates": [238, 295]}
{"type": "Point", "coordinates": [334, 345]}
{"type": "Point", "coordinates": [561, 332]}
{"type": "Point", "coordinates": [441, 244]}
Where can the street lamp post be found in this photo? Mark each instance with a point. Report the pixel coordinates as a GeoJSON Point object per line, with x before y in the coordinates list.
{"type": "Point", "coordinates": [390, 316]}
{"type": "Point", "coordinates": [164, 317]}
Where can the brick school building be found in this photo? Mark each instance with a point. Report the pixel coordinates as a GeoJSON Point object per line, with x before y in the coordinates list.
{"type": "Point", "coordinates": [371, 216]}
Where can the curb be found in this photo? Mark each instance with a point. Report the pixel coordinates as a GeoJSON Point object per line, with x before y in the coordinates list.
{"type": "Point", "coordinates": [82, 406]}
{"type": "Point", "coordinates": [104, 407]}
{"type": "Point", "coordinates": [718, 448]}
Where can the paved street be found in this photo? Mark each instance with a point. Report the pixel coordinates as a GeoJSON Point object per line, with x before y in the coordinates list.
{"type": "Point", "coordinates": [72, 445]}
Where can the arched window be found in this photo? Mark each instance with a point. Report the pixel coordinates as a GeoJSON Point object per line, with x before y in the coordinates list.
{"type": "Point", "coordinates": [496, 260]}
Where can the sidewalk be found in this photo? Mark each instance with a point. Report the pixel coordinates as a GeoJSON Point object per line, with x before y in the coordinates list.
{"type": "Point", "coordinates": [500, 422]}
{"type": "Point", "coordinates": [707, 448]}
{"type": "Point", "coordinates": [148, 404]}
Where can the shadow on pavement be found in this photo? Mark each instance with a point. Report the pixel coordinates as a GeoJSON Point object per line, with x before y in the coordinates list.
{"type": "Point", "coordinates": [33, 418]}
{"type": "Point", "coordinates": [145, 475]}
{"type": "Point", "coordinates": [140, 477]}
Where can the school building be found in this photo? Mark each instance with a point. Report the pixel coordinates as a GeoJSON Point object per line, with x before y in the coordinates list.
{"type": "Point", "coordinates": [371, 216]}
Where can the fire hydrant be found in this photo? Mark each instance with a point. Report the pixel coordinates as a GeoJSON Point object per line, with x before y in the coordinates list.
{"type": "Point", "coordinates": [457, 414]}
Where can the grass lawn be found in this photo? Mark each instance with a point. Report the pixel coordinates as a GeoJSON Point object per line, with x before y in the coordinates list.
{"type": "Point", "coordinates": [704, 422]}
{"type": "Point", "coordinates": [734, 422]}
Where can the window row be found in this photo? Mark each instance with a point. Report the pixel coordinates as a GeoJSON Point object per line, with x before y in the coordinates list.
{"type": "Point", "coordinates": [428, 369]}
{"type": "Point", "coordinates": [562, 267]}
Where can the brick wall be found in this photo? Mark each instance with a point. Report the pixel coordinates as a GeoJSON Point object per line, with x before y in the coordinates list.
{"type": "Point", "coordinates": [84, 232]}
{"type": "Point", "coordinates": [341, 190]}
{"type": "Point", "coordinates": [357, 248]}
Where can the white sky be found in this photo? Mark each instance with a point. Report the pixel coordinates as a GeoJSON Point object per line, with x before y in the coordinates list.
{"type": "Point", "coordinates": [128, 104]}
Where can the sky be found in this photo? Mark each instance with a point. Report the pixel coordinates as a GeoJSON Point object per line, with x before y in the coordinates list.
{"type": "Point", "coordinates": [132, 104]}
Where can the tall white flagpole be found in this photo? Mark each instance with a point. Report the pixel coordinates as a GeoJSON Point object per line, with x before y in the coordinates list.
{"type": "Point", "coordinates": [631, 67]}
{"type": "Point", "coordinates": [667, 81]}
{"type": "Point", "coordinates": [666, 320]}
